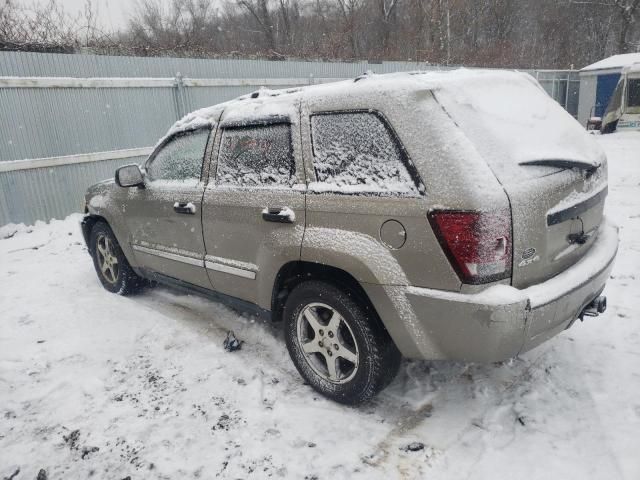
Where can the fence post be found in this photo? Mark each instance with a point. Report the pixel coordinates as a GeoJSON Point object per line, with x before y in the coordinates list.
{"type": "Point", "coordinates": [566, 97]}
{"type": "Point", "coordinates": [178, 96]}
{"type": "Point", "coordinates": [5, 214]}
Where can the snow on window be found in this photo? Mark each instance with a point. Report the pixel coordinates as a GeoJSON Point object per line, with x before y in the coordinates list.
{"type": "Point", "coordinates": [256, 156]}
{"type": "Point", "coordinates": [355, 152]}
{"type": "Point", "coordinates": [180, 159]}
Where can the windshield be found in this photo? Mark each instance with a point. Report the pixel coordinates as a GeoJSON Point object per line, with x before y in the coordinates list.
{"type": "Point", "coordinates": [633, 95]}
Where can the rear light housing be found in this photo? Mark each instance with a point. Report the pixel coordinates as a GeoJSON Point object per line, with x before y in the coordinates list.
{"type": "Point", "coordinates": [478, 244]}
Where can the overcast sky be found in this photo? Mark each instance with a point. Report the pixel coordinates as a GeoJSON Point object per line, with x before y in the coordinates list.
{"type": "Point", "coordinates": [112, 13]}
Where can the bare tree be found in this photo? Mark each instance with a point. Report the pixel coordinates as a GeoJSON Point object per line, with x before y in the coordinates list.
{"type": "Point", "coordinates": [47, 26]}
{"type": "Point", "coordinates": [386, 23]}
{"type": "Point", "coordinates": [626, 11]}
{"type": "Point", "coordinates": [260, 11]}
{"type": "Point", "coordinates": [349, 10]}
{"type": "Point", "coordinates": [507, 33]}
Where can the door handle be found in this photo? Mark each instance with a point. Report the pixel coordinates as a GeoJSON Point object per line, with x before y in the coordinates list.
{"type": "Point", "coordinates": [278, 215]}
{"type": "Point", "coordinates": [184, 207]}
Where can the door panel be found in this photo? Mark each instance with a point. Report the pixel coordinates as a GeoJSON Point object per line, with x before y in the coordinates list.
{"type": "Point", "coordinates": [254, 204]}
{"type": "Point", "coordinates": [245, 252]}
{"type": "Point", "coordinates": [166, 241]}
{"type": "Point", "coordinates": [165, 217]}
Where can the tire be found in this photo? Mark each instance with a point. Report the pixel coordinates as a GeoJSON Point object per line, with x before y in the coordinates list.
{"type": "Point", "coordinates": [118, 277]}
{"type": "Point", "coordinates": [364, 357]}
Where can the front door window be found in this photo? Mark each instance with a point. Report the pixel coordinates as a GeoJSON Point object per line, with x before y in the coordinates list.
{"type": "Point", "coordinates": [180, 159]}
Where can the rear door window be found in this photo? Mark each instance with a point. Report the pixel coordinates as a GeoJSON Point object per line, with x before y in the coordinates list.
{"type": "Point", "coordinates": [356, 152]}
{"type": "Point", "coordinates": [256, 156]}
{"type": "Point", "coordinates": [180, 159]}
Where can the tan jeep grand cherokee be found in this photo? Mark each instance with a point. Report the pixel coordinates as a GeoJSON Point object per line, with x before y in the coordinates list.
{"type": "Point", "coordinates": [436, 216]}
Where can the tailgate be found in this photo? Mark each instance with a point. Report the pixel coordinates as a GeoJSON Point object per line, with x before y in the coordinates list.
{"type": "Point", "coordinates": [553, 172]}
{"type": "Point", "coordinates": [555, 222]}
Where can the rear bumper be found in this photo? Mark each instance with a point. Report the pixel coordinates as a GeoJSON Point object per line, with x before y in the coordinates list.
{"type": "Point", "coordinates": [500, 322]}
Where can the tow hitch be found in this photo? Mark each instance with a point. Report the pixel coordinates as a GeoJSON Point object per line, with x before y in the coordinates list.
{"type": "Point", "coordinates": [597, 306]}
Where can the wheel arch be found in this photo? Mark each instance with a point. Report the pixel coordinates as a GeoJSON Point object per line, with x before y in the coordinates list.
{"type": "Point", "coordinates": [89, 221]}
{"type": "Point", "coordinates": [294, 273]}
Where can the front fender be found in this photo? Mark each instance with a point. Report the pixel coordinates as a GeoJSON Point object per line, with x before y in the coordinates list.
{"type": "Point", "coordinates": [103, 203]}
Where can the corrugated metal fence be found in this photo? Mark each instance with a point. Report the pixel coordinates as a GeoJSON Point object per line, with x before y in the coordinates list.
{"type": "Point", "coordinates": [67, 121]}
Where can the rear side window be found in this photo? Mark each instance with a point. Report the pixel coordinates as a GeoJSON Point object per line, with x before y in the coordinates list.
{"type": "Point", "coordinates": [356, 152]}
{"type": "Point", "coordinates": [256, 156]}
{"type": "Point", "coordinates": [180, 159]}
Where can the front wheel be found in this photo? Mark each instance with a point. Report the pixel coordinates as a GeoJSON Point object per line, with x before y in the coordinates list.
{"type": "Point", "coordinates": [112, 267]}
{"type": "Point", "coordinates": [338, 346]}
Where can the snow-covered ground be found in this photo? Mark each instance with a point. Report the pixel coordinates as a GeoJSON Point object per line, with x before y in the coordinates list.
{"type": "Point", "coordinates": [97, 385]}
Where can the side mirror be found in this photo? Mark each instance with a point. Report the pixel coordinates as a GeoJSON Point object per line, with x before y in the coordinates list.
{"type": "Point", "coordinates": [129, 176]}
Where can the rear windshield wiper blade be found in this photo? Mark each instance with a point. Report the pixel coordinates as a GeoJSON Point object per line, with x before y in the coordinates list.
{"type": "Point", "coordinates": [590, 166]}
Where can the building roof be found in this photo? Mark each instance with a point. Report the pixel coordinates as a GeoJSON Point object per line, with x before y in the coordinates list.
{"type": "Point", "coordinates": [635, 68]}
{"type": "Point", "coordinates": [615, 62]}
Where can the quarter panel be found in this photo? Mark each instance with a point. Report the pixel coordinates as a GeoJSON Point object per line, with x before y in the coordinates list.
{"type": "Point", "coordinates": [344, 230]}
{"type": "Point", "coordinates": [454, 173]}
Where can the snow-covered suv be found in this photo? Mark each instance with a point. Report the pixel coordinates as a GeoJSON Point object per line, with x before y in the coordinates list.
{"type": "Point", "coordinates": [436, 216]}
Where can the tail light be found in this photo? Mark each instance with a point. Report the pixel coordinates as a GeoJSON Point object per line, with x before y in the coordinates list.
{"type": "Point", "coordinates": [477, 244]}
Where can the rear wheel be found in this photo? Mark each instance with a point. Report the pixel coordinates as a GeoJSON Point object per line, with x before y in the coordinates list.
{"type": "Point", "coordinates": [338, 346]}
{"type": "Point", "coordinates": [112, 267]}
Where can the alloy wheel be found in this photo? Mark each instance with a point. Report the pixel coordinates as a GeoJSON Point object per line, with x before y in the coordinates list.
{"type": "Point", "coordinates": [107, 259]}
{"type": "Point", "coordinates": [328, 343]}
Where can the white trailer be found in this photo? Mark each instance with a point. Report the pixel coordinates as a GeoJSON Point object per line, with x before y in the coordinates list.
{"type": "Point", "coordinates": [623, 112]}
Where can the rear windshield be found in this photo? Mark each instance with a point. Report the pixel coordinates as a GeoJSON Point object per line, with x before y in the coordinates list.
{"type": "Point", "coordinates": [511, 120]}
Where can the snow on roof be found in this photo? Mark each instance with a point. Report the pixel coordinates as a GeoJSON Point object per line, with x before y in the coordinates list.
{"type": "Point", "coordinates": [617, 61]}
{"type": "Point", "coordinates": [279, 102]}
{"type": "Point", "coordinates": [506, 114]}
{"type": "Point", "coordinates": [242, 107]}
{"type": "Point", "coordinates": [635, 68]}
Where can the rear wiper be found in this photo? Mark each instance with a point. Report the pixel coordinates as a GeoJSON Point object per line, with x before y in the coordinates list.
{"type": "Point", "coordinates": [589, 166]}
